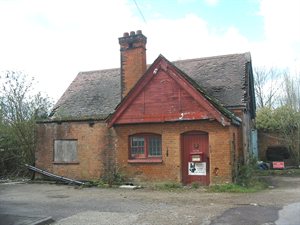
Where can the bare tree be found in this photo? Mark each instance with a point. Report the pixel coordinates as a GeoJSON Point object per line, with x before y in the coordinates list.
{"type": "Point", "coordinates": [291, 95]}
{"type": "Point", "coordinates": [267, 86]}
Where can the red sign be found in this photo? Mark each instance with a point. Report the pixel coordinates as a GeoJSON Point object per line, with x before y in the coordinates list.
{"type": "Point", "coordinates": [278, 165]}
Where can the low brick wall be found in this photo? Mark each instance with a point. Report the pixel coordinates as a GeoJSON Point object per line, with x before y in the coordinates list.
{"type": "Point", "coordinates": [266, 139]}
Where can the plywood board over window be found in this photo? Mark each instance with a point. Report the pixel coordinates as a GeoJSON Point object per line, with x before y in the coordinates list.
{"type": "Point", "coordinates": [65, 151]}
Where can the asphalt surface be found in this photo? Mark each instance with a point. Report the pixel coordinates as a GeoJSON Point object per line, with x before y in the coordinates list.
{"type": "Point", "coordinates": [13, 219]}
{"type": "Point", "coordinates": [248, 215]}
{"type": "Point", "coordinates": [30, 204]}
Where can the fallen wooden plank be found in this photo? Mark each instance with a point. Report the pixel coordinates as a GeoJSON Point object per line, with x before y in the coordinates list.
{"type": "Point", "coordinates": [56, 177]}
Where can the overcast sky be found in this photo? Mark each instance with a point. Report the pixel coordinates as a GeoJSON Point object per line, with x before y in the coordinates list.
{"type": "Point", "coordinates": [53, 40]}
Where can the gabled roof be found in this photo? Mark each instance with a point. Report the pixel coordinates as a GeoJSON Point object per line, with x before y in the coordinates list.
{"type": "Point", "coordinates": [95, 94]}
{"type": "Point", "coordinates": [223, 77]}
{"type": "Point", "coordinates": [216, 110]}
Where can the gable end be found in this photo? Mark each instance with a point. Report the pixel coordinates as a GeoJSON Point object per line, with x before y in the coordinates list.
{"type": "Point", "coordinates": [178, 99]}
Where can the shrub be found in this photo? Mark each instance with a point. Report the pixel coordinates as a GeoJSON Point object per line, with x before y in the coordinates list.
{"type": "Point", "coordinates": [114, 178]}
{"type": "Point", "coordinates": [246, 174]}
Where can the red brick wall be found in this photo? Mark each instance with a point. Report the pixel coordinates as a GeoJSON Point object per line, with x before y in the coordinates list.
{"type": "Point", "coordinates": [266, 139]}
{"type": "Point", "coordinates": [220, 139]}
{"type": "Point", "coordinates": [134, 66]}
{"type": "Point", "coordinates": [93, 146]}
{"type": "Point", "coordinates": [99, 148]}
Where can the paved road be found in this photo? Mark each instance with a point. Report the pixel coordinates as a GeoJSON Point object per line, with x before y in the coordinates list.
{"type": "Point", "coordinates": [68, 205]}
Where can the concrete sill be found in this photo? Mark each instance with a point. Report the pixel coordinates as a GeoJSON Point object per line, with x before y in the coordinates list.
{"type": "Point", "coordinates": [65, 163]}
{"type": "Point", "coordinates": [148, 160]}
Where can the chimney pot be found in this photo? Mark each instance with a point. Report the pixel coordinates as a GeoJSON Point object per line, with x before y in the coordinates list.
{"type": "Point", "coordinates": [126, 34]}
{"type": "Point", "coordinates": [138, 32]}
{"type": "Point", "coordinates": [132, 33]}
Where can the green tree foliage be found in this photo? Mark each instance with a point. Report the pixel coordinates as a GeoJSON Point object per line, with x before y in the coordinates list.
{"type": "Point", "coordinates": [285, 118]}
{"type": "Point", "coordinates": [265, 119]}
{"type": "Point", "coordinates": [20, 108]}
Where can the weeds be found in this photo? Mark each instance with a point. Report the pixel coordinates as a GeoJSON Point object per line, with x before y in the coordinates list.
{"type": "Point", "coordinates": [255, 186]}
{"type": "Point", "coordinates": [246, 181]}
{"type": "Point", "coordinates": [97, 183]}
{"type": "Point", "coordinates": [284, 172]}
{"type": "Point", "coordinates": [246, 174]}
{"type": "Point", "coordinates": [168, 186]}
{"type": "Point", "coordinates": [195, 185]}
{"type": "Point", "coordinates": [114, 178]}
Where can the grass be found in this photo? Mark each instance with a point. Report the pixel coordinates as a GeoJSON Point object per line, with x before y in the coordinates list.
{"type": "Point", "coordinates": [256, 186]}
{"type": "Point", "coordinates": [96, 183]}
{"type": "Point", "coordinates": [168, 186]}
{"type": "Point", "coordinates": [284, 172]}
{"type": "Point", "coordinates": [195, 185]}
{"type": "Point", "coordinates": [254, 182]}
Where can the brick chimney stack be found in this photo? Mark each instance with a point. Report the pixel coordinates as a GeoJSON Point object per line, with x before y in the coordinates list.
{"type": "Point", "coordinates": [133, 59]}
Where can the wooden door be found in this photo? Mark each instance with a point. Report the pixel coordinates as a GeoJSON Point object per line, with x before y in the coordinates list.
{"type": "Point", "coordinates": [195, 158]}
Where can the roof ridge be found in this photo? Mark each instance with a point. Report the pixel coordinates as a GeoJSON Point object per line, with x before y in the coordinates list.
{"type": "Point", "coordinates": [93, 71]}
{"type": "Point", "coordinates": [246, 54]}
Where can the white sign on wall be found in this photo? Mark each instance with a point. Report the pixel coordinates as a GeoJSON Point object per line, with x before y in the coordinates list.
{"type": "Point", "coordinates": [197, 168]}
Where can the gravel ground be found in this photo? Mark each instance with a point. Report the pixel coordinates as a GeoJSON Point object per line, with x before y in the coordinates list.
{"type": "Point", "coordinates": [69, 205]}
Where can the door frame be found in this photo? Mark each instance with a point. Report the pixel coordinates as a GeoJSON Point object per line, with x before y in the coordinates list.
{"type": "Point", "coordinates": [183, 178]}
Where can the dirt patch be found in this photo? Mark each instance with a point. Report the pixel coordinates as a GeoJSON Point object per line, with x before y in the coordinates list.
{"type": "Point", "coordinates": [284, 182]}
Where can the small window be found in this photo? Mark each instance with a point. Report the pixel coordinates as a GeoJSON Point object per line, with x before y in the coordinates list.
{"type": "Point", "coordinates": [65, 151]}
{"type": "Point", "coordinates": [154, 146]}
{"type": "Point", "coordinates": [145, 146]}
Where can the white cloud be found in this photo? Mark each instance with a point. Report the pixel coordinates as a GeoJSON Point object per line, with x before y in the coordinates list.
{"type": "Point", "coordinates": [191, 37]}
{"type": "Point", "coordinates": [53, 40]}
{"type": "Point", "coordinates": [281, 47]}
{"type": "Point", "coordinates": [211, 2]}
{"type": "Point", "coordinates": [281, 19]}
{"type": "Point", "coordinates": [185, 1]}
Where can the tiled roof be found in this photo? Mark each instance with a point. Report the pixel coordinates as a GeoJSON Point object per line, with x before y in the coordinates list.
{"type": "Point", "coordinates": [92, 95]}
{"type": "Point", "coordinates": [95, 94]}
{"type": "Point", "coordinates": [223, 77]}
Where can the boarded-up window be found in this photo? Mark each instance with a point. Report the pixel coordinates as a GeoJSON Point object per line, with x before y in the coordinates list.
{"type": "Point", "coordinates": [65, 151]}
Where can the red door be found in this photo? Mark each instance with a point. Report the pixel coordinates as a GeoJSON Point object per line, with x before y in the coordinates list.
{"type": "Point", "coordinates": [195, 158]}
